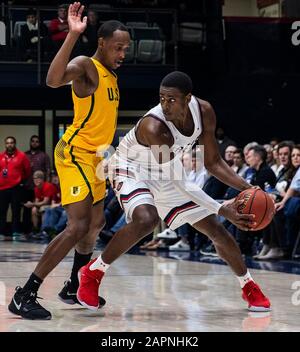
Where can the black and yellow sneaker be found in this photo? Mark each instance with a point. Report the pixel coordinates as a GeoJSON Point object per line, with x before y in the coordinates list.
{"type": "Point", "coordinates": [68, 295]}
{"type": "Point", "coordinates": [26, 305]}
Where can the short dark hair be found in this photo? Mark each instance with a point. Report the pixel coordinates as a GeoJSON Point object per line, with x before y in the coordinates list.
{"type": "Point", "coordinates": [179, 80]}
{"type": "Point", "coordinates": [31, 12]}
{"type": "Point", "coordinates": [10, 137]}
{"type": "Point", "coordinates": [283, 144]}
{"type": "Point", "coordinates": [261, 151]}
{"type": "Point", "coordinates": [63, 6]}
{"type": "Point", "coordinates": [108, 28]}
{"type": "Point", "coordinates": [296, 146]}
{"type": "Point", "coordinates": [239, 151]}
{"type": "Point", "coordinates": [34, 136]}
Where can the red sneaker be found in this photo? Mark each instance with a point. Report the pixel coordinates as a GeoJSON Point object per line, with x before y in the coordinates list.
{"type": "Point", "coordinates": [257, 301]}
{"type": "Point", "coordinates": [89, 281]}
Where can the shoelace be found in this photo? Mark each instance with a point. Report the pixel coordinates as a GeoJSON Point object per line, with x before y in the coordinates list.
{"type": "Point", "coordinates": [32, 298]}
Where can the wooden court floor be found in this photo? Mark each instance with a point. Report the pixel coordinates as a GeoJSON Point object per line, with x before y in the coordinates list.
{"type": "Point", "coordinates": [151, 293]}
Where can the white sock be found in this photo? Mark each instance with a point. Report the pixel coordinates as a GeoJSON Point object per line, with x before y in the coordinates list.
{"type": "Point", "coordinates": [244, 279]}
{"type": "Point", "coordinates": [99, 264]}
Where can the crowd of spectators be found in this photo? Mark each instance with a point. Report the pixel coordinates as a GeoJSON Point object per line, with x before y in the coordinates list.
{"type": "Point", "coordinates": [50, 35]}
{"type": "Point", "coordinates": [41, 32]}
{"type": "Point", "coordinates": [32, 191]}
{"type": "Point", "coordinates": [274, 167]}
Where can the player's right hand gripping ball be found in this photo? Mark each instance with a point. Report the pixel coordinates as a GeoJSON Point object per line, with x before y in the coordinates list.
{"type": "Point", "coordinates": [259, 203]}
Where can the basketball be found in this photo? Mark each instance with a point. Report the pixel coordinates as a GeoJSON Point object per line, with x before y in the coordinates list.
{"type": "Point", "coordinates": [260, 204]}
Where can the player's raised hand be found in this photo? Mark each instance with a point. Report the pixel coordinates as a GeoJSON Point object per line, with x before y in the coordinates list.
{"type": "Point", "coordinates": [76, 24]}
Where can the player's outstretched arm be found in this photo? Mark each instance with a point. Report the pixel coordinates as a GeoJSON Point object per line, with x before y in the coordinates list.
{"type": "Point", "coordinates": [212, 158]}
{"type": "Point", "coordinates": [60, 72]}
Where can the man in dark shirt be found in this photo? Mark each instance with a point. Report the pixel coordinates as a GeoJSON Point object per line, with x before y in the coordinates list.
{"type": "Point", "coordinates": [258, 174]}
{"type": "Point", "coordinates": [14, 169]}
{"type": "Point", "coordinates": [38, 161]}
{"type": "Point", "coordinates": [31, 32]}
{"type": "Point", "coordinates": [89, 37]}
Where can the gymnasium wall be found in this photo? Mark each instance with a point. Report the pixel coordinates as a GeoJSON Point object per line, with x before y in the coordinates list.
{"type": "Point", "coordinates": [248, 68]}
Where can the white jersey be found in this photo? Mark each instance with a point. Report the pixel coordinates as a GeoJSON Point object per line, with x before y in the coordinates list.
{"type": "Point", "coordinates": [138, 179]}
{"type": "Point", "coordinates": [131, 150]}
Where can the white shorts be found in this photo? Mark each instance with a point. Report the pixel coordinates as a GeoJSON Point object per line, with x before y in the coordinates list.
{"type": "Point", "coordinates": [174, 208]}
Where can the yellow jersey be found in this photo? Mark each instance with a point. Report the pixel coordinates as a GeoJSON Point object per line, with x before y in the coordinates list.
{"type": "Point", "coordinates": [95, 116]}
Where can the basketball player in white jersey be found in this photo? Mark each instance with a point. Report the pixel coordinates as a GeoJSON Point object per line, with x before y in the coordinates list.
{"type": "Point", "coordinates": [146, 174]}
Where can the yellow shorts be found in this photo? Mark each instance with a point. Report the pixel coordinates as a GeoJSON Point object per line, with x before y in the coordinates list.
{"type": "Point", "coordinates": [76, 168]}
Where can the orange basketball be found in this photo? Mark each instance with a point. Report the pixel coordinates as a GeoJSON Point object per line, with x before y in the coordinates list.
{"type": "Point", "coordinates": [260, 204]}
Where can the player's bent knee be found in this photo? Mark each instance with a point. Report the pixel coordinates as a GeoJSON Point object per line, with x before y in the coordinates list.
{"type": "Point", "coordinates": [78, 228]}
{"type": "Point", "coordinates": [146, 221]}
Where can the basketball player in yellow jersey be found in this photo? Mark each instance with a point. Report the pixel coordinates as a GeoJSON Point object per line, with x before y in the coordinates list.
{"type": "Point", "coordinates": [96, 99]}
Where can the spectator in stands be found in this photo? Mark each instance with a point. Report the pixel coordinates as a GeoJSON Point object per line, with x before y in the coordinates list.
{"type": "Point", "coordinates": [59, 27]}
{"type": "Point", "coordinates": [56, 184]}
{"type": "Point", "coordinates": [14, 170]}
{"type": "Point", "coordinates": [280, 240]}
{"type": "Point", "coordinates": [274, 235]}
{"type": "Point", "coordinates": [39, 160]}
{"type": "Point", "coordinates": [270, 159]}
{"type": "Point", "coordinates": [89, 37]}
{"type": "Point", "coordinates": [290, 204]}
{"type": "Point", "coordinates": [223, 141]}
{"type": "Point", "coordinates": [258, 174]}
{"type": "Point", "coordinates": [194, 167]}
{"type": "Point", "coordinates": [29, 36]}
{"type": "Point", "coordinates": [229, 153]}
{"type": "Point", "coordinates": [284, 172]}
{"type": "Point", "coordinates": [246, 149]}
{"type": "Point", "coordinates": [239, 166]}
{"type": "Point", "coordinates": [44, 193]}
{"type": "Point", "coordinates": [215, 188]}
{"type": "Point", "coordinates": [296, 157]}
{"type": "Point", "coordinates": [55, 217]}
{"type": "Point", "coordinates": [274, 141]}
{"type": "Point", "coordinates": [276, 161]}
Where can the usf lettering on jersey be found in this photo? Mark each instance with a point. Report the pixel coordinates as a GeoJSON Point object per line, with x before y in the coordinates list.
{"type": "Point", "coordinates": [95, 117]}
